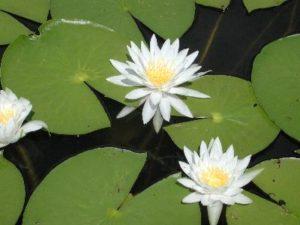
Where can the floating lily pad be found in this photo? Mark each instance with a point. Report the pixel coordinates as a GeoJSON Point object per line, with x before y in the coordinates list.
{"type": "Point", "coordinates": [261, 211]}
{"type": "Point", "coordinates": [231, 114]}
{"type": "Point", "coordinates": [10, 28]}
{"type": "Point", "coordinates": [12, 192]}
{"type": "Point", "coordinates": [93, 188]}
{"type": "Point", "coordinates": [220, 4]}
{"type": "Point", "coordinates": [276, 81]}
{"type": "Point", "coordinates": [261, 4]}
{"type": "Point", "coordinates": [168, 18]}
{"type": "Point", "coordinates": [36, 10]}
{"type": "Point", "coordinates": [281, 180]}
{"type": "Point", "coordinates": [51, 70]}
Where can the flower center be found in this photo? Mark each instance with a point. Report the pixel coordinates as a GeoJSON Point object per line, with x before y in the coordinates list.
{"type": "Point", "coordinates": [159, 73]}
{"type": "Point", "coordinates": [214, 177]}
{"type": "Point", "coordinates": [6, 115]}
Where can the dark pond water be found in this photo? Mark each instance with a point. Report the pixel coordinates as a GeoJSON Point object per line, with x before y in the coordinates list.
{"type": "Point", "coordinates": [227, 43]}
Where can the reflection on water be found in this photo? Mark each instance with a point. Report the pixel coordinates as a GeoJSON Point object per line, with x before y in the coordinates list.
{"type": "Point", "coordinates": [227, 43]}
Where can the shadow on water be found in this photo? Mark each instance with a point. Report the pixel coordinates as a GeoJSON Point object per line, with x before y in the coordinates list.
{"type": "Point", "coordinates": [227, 42]}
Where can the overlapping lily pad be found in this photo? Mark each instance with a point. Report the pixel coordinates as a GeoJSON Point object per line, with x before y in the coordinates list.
{"type": "Point", "coordinates": [276, 81]}
{"type": "Point", "coordinates": [36, 10]}
{"type": "Point", "coordinates": [231, 113]}
{"type": "Point", "coordinates": [260, 212]}
{"type": "Point", "coordinates": [168, 18]}
{"type": "Point", "coordinates": [12, 192]}
{"type": "Point", "coordinates": [93, 188]}
{"type": "Point", "coordinates": [220, 4]}
{"type": "Point", "coordinates": [10, 28]}
{"type": "Point", "coordinates": [51, 70]}
{"type": "Point", "coordinates": [281, 180]}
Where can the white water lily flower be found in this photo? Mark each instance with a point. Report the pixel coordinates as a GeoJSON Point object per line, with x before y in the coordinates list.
{"type": "Point", "coordinates": [158, 73]}
{"type": "Point", "coordinates": [13, 112]}
{"type": "Point", "coordinates": [215, 177]}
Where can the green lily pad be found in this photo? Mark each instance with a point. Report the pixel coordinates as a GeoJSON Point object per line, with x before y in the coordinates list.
{"type": "Point", "coordinates": [12, 192]}
{"type": "Point", "coordinates": [280, 179]}
{"type": "Point", "coordinates": [261, 211]}
{"type": "Point", "coordinates": [36, 10]}
{"type": "Point", "coordinates": [231, 114]}
{"type": "Point", "coordinates": [93, 189]}
{"type": "Point", "coordinates": [252, 5]}
{"type": "Point", "coordinates": [276, 82]}
{"type": "Point", "coordinates": [51, 70]}
{"type": "Point", "coordinates": [10, 28]}
{"type": "Point", "coordinates": [220, 4]}
{"type": "Point", "coordinates": [168, 18]}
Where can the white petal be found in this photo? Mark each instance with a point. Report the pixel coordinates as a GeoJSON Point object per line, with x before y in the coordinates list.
{"type": "Point", "coordinates": [229, 154]}
{"type": "Point", "coordinates": [187, 182]}
{"type": "Point", "coordinates": [165, 108]}
{"type": "Point", "coordinates": [186, 75]}
{"type": "Point", "coordinates": [153, 45]}
{"type": "Point", "coordinates": [125, 111]}
{"type": "Point", "coordinates": [216, 151]}
{"type": "Point", "coordinates": [157, 121]}
{"type": "Point", "coordinates": [185, 168]}
{"type": "Point", "coordinates": [33, 126]}
{"type": "Point", "coordinates": [203, 148]}
{"type": "Point", "coordinates": [190, 59]}
{"type": "Point", "coordinates": [214, 212]}
{"type": "Point", "coordinates": [243, 164]}
{"type": "Point", "coordinates": [247, 178]}
{"type": "Point", "coordinates": [148, 111]}
{"type": "Point", "coordinates": [155, 97]}
{"type": "Point", "coordinates": [138, 93]}
{"type": "Point", "coordinates": [242, 199]}
{"type": "Point", "coordinates": [175, 46]}
{"type": "Point", "coordinates": [121, 67]}
{"type": "Point", "coordinates": [187, 92]}
{"type": "Point", "coordinates": [179, 106]}
{"type": "Point", "coordinates": [188, 154]}
{"type": "Point", "coordinates": [192, 198]}
{"type": "Point", "coordinates": [121, 80]}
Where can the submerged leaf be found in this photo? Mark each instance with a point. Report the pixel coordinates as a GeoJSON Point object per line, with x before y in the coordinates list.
{"type": "Point", "coordinates": [12, 192]}
{"type": "Point", "coordinates": [276, 82]}
{"type": "Point", "coordinates": [231, 114]}
{"type": "Point", "coordinates": [92, 188]}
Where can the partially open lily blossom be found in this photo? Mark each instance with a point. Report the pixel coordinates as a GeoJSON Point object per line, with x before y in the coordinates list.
{"type": "Point", "coordinates": [157, 73]}
{"type": "Point", "coordinates": [215, 177]}
{"type": "Point", "coordinates": [13, 112]}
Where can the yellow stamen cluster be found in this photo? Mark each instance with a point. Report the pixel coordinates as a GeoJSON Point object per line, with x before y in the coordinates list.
{"type": "Point", "coordinates": [159, 73]}
{"type": "Point", "coordinates": [6, 115]}
{"type": "Point", "coordinates": [214, 177]}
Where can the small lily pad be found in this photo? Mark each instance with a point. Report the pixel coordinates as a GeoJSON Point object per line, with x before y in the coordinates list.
{"type": "Point", "coordinates": [93, 188]}
{"type": "Point", "coordinates": [12, 192]}
{"type": "Point", "coordinates": [10, 28]}
{"type": "Point", "coordinates": [261, 211]}
{"type": "Point", "coordinates": [231, 114]}
{"type": "Point", "coordinates": [168, 18]}
{"type": "Point", "coordinates": [276, 82]}
{"type": "Point", "coordinates": [52, 70]}
{"type": "Point", "coordinates": [252, 5]}
{"type": "Point", "coordinates": [280, 179]}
